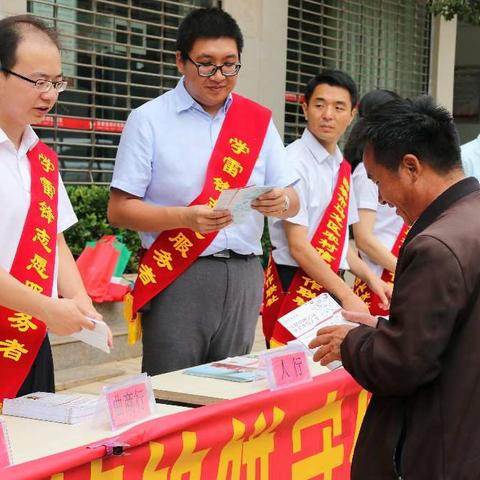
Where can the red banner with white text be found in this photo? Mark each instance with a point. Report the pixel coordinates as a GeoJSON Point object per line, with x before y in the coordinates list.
{"type": "Point", "coordinates": [299, 433]}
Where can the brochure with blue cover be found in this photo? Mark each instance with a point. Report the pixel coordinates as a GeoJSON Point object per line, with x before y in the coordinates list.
{"type": "Point", "coordinates": [235, 369]}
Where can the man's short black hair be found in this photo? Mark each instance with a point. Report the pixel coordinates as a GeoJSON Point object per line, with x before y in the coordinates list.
{"type": "Point", "coordinates": [418, 127]}
{"type": "Point", "coordinates": [353, 152]}
{"type": "Point", "coordinates": [12, 30]}
{"type": "Point", "coordinates": [334, 78]}
{"type": "Point", "coordinates": [207, 23]}
{"type": "Point", "coordinates": [374, 99]}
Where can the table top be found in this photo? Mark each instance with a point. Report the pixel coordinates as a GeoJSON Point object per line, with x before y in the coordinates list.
{"type": "Point", "coordinates": [32, 439]}
{"type": "Point", "coordinates": [177, 387]}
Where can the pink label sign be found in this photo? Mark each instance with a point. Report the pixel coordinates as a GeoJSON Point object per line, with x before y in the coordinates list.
{"type": "Point", "coordinates": [290, 368]}
{"type": "Point", "coordinates": [4, 446]}
{"type": "Point", "coordinates": [128, 404]}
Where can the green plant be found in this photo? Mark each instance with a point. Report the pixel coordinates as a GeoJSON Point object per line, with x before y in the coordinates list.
{"type": "Point", "coordinates": [467, 10]}
{"type": "Point", "coordinates": [266, 244]}
{"type": "Point", "coordinates": [90, 204]}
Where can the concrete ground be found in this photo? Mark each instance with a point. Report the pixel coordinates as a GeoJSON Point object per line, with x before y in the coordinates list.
{"type": "Point", "coordinates": [121, 369]}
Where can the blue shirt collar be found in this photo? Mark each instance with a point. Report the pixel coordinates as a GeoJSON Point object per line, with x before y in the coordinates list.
{"type": "Point", "coordinates": [185, 101]}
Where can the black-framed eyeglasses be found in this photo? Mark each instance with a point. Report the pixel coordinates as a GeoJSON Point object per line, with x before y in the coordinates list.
{"type": "Point", "coordinates": [41, 84]}
{"type": "Point", "coordinates": [228, 69]}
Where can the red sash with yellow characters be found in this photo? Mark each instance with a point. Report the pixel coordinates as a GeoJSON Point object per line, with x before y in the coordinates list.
{"type": "Point", "coordinates": [21, 335]}
{"type": "Point", "coordinates": [230, 166]}
{"type": "Point", "coordinates": [329, 240]}
{"type": "Point", "coordinates": [362, 290]}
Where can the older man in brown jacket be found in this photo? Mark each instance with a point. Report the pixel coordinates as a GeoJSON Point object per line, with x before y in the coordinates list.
{"type": "Point", "coordinates": [423, 364]}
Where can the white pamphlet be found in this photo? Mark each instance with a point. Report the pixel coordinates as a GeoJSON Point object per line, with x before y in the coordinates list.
{"type": "Point", "coordinates": [304, 322]}
{"type": "Point", "coordinates": [98, 337]}
{"type": "Point", "coordinates": [238, 201]}
{"type": "Point", "coordinates": [54, 407]}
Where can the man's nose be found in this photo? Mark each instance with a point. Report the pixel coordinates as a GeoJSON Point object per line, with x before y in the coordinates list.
{"type": "Point", "coordinates": [218, 75]}
{"type": "Point", "coordinates": [52, 93]}
{"type": "Point", "coordinates": [328, 111]}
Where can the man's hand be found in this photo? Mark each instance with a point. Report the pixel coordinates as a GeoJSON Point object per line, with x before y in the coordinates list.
{"type": "Point", "coordinates": [273, 203]}
{"type": "Point", "coordinates": [63, 316]}
{"type": "Point", "coordinates": [382, 289]}
{"type": "Point", "coordinates": [363, 318]}
{"type": "Point", "coordinates": [354, 303]}
{"type": "Point", "coordinates": [85, 304]}
{"type": "Point", "coordinates": [328, 341]}
{"type": "Point", "coordinates": [203, 219]}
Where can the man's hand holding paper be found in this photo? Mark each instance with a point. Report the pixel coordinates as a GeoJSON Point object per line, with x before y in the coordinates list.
{"type": "Point", "coordinates": [203, 219]}
{"type": "Point", "coordinates": [277, 203]}
{"type": "Point", "coordinates": [99, 337]}
{"type": "Point", "coordinates": [239, 201]}
{"type": "Point", "coordinates": [329, 339]}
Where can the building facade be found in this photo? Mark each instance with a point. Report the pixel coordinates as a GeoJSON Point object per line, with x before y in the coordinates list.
{"type": "Point", "coordinates": [118, 54]}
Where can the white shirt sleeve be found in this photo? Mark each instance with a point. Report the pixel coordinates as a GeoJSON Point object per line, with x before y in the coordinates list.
{"type": "Point", "coordinates": [66, 215]}
{"type": "Point", "coordinates": [352, 208]}
{"type": "Point", "coordinates": [366, 192]}
{"type": "Point", "coordinates": [133, 164]}
{"type": "Point", "coordinates": [279, 171]}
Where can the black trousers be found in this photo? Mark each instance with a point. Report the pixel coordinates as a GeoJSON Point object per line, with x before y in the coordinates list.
{"type": "Point", "coordinates": [287, 272]}
{"type": "Point", "coordinates": [41, 376]}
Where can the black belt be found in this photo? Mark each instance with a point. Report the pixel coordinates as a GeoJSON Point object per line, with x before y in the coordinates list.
{"type": "Point", "coordinates": [227, 254]}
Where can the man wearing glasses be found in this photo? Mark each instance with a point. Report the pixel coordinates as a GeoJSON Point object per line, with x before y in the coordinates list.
{"type": "Point", "coordinates": [35, 261]}
{"type": "Point", "coordinates": [200, 283]}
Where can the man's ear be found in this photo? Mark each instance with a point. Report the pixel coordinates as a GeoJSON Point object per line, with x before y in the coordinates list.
{"type": "Point", "coordinates": [305, 108]}
{"type": "Point", "coordinates": [180, 62]}
{"type": "Point", "coordinates": [354, 114]}
{"type": "Point", "coordinates": [412, 166]}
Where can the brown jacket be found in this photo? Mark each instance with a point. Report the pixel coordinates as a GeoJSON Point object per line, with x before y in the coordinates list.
{"type": "Point", "coordinates": [423, 366]}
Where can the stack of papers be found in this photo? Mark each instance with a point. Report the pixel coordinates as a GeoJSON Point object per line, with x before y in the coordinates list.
{"type": "Point", "coordinates": [98, 337]}
{"type": "Point", "coordinates": [53, 407]}
{"type": "Point", "coordinates": [238, 201]}
{"type": "Point", "coordinates": [235, 369]}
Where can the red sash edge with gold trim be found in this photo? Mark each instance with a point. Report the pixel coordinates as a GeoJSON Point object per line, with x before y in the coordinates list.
{"type": "Point", "coordinates": [362, 290]}
{"type": "Point", "coordinates": [230, 166]}
{"type": "Point", "coordinates": [21, 335]}
{"type": "Point", "coordinates": [328, 240]}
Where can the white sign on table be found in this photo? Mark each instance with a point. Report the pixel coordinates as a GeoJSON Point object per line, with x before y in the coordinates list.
{"type": "Point", "coordinates": [5, 451]}
{"type": "Point", "coordinates": [129, 401]}
{"type": "Point", "coordinates": [287, 366]}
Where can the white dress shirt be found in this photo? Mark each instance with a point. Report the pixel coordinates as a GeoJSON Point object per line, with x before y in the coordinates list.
{"type": "Point", "coordinates": [15, 198]}
{"type": "Point", "coordinates": [318, 172]}
{"type": "Point", "coordinates": [471, 158]}
{"type": "Point", "coordinates": [163, 157]}
{"type": "Point", "coordinates": [387, 224]}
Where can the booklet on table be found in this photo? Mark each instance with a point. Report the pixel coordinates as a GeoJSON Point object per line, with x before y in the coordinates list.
{"type": "Point", "coordinates": [235, 369]}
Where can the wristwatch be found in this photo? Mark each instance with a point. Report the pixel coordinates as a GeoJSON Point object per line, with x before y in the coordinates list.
{"type": "Point", "coordinates": [286, 204]}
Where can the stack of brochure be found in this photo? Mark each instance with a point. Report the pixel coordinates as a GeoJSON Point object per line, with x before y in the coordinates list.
{"type": "Point", "coordinates": [53, 407]}
{"type": "Point", "coordinates": [235, 369]}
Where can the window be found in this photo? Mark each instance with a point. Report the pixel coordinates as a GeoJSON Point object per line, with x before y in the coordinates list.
{"type": "Point", "coordinates": [380, 43]}
{"type": "Point", "coordinates": [116, 55]}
